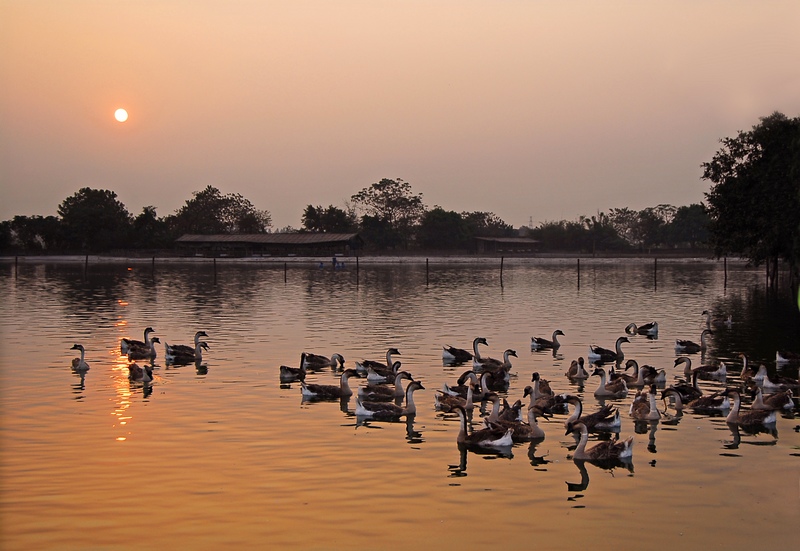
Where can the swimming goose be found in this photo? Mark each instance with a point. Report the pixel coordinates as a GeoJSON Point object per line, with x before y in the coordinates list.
{"type": "Point", "coordinates": [482, 438]}
{"type": "Point", "coordinates": [605, 419]}
{"type": "Point", "coordinates": [377, 374]}
{"type": "Point", "coordinates": [577, 371]}
{"type": "Point", "coordinates": [541, 387]}
{"type": "Point", "coordinates": [288, 373]}
{"type": "Point", "coordinates": [712, 402]}
{"type": "Point", "coordinates": [688, 391]}
{"type": "Point", "coordinates": [646, 410]}
{"type": "Point", "coordinates": [451, 354]}
{"type": "Point", "coordinates": [522, 432]}
{"type": "Point", "coordinates": [611, 450]}
{"type": "Point", "coordinates": [717, 322]}
{"type": "Point", "coordinates": [597, 353]}
{"type": "Point", "coordinates": [329, 392]}
{"type": "Point", "coordinates": [385, 393]}
{"type": "Point", "coordinates": [772, 383]}
{"type": "Point", "coordinates": [690, 347]}
{"type": "Point", "coordinates": [184, 349]}
{"type": "Point", "coordinates": [491, 364]}
{"type": "Point", "coordinates": [612, 389]}
{"type": "Point", "coordinates": [636, 380]}
{"type": "Point", "coordinates": [754, 417]}
{"type": "Point", "coordinates": [778, 400]}
{"type": "Point", "coordinates": [462, 384]}
{"type": "Point", "coordinates": [644, 375]}
{"type": "Point", "coordinates": [447, 402]}
{"type": "Point", "coordinates": [318, 361]}
{"type": "Point", "coordinates": [649, 329]}
{"type": "Point", "coordinates": [719, 372]}
{"type": "Point", "coordinates": [126, 344]}
{"type": "Point", "coordinates": [140, 374]}
{"type": "Point", "coordinates": [79, 364]}
{"type": "Point", "coordinates": [547, 403]}
{"type": "Point", "coordinates": [144, 353]}
{"type": "Point", "coordinates": [179, 356]}
{"type": "Point", "coordinates": [786, 356]}
{"type": "Point", "coordinates": [385, 411]}
{"type": "Point", "coordinates": [538, 343]}
{"type": "Point", "coordinates": [364, 364]}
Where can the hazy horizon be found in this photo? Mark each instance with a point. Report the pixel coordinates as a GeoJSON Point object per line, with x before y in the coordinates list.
{"type": "Point", "coordinates": [531, 110]}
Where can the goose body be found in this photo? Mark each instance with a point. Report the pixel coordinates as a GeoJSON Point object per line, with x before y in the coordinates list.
{"type": "Point", "coordinates": [465, 380]}
{"type": "Point", "coordinates": [363, 365]}
{"type": "Point", "coordinates": [180, 356]}
{"type": "Point", "coordinates": [597, 353]}
{"type": "Point", "coordinates": [538, 343]}
{"type": "Point", "coordinates": [783, 399]}
{"type": "Point", "coordinates": [140, 374]}
{"type": "Point", "coordinates": [318, 361]}
{"type": "Point", "coordinates": [385, 393]}
{"type": "Point", "coordinates": [691, 347]}
{"type": "Point", "coordinates": [688, 391]}
{"type": "Point", "coordinates": [491, 364]}
{"type": "Point", "coordinates": [79, 364]}
{"type": "Point", "coordinates": [612, 389]}
{"type": "Point", "coordinates": [772, 383]}
{"type": "Point", "coordinates": [717, 322]}
{"type": "Point", "coordinates": [605, 419]}
{"type": "Point", "coordinates": [646, 409]}
{"type": "Point", "coordinates": [447, 402]}
{"type": "Point", "coordinates": [451, 354]}
{"type": "Point", "coordinates": [786, 356]}
{"type": "Point", "coordinates": [377, 374]}
{"type": "Point", "coordinates": [577, 371]}
{"type": "Point", "coordinates": [644, 375]}
{"type": "Point", "coordinates": [719, 372]}
{"type": "Point", "coordinates": [607, 451]}
{"type": "Point", "coordinates": [183, 349]}
{"type": "Point", "coordinates": [649, 329]}
{"type": "Point", "coordinates": [288, 373]}
{"type": "Point", "coordinates": [146, 352]}
{"type": "Point", "coordinates": [712, 402]}
{"type": "Point", "coordinates": [521, 432]}
{"type": "Point", "coordinates": [329, 392]}
{"type": "Point", "coordinates": [754, 417]}
{"type": "Point", "coordinates": [386, 410]}
{"type": "Point", "coordinates": [483, 438]}
{"type": "Point", "coordinates": [126, 344]}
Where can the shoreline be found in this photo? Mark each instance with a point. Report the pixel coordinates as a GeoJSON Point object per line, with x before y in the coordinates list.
{"type": "Point", "coordinates": [557, 259]}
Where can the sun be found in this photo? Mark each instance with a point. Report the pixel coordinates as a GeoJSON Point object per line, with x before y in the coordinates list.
{"type": "Point", "coordinates": [121, 115]}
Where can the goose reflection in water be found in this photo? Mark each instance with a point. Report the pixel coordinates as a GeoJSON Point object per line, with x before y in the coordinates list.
{"type": "Point", "coordinates": [486, 453]}
{"type": "Point", "coordinates": [650, 428]}
{"type": "Point", "coordinates": [608, 465]}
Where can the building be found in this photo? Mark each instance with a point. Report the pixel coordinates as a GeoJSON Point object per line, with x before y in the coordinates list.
{"type": "Point", "coordinates": [506, 245]}
{"type": "Point", "coordinates": [270, 244]}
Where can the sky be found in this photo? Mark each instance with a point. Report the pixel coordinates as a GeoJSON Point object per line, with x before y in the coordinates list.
{"type": "Point", "coordinates": [533, 110]}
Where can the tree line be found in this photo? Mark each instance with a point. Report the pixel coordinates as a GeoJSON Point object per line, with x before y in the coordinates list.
{"type": "Point", "coordinates": [752, 210]}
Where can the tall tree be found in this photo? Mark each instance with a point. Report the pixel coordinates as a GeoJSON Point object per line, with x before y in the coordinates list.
{"type": "Point", "coordinates": [150, 231]}
{"type": "Point", "coordinates": [754, 202]}
{"type": "Point", "coordinates": [486, 224]}
{"type": "Point", "coordinates": [442, 229]}
{"type": "Point", "coordinates": [210, 212]}
{"type": "Point", "coordinates": [331, 219]}
{"type": "Point", "coordinates": [392, 206]}
{"type": "Point", "coordinates": [95, 220]}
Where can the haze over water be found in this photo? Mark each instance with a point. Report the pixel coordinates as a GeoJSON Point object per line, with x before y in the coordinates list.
{"type": "Point", "coordinates": [225, 455]}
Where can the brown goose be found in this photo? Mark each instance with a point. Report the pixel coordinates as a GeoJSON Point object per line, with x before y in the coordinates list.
{"type": "Point", "coordinates": [483, 438]}
{"type": "Point", "coordinates": [691, 347]}
{"type": "Point", "coordinates": [783, 399]}
{"type": "Point", "coordinates": [318, 361]}
{"type": "Point", "coordinates": [451, 354]}
{"type": "Point", "coordinates": [712, 402]}
{"type": "Point", "coordinates": [125, 344]}
{"type": "Point", "coordinates": [599, 354]}
{"type": "Point", "coordinates": [612, 389]}
{"type": "Point", "coordinates": [538, 343]}
{"type": "Point", "coordinates": [605, 419]}
{"type": "Point", "coordinates": [364, 364]}
{"type": "Point", "coordinates": [719, 372]}
{"type": "Point", "coordinates": [649, 329]}
{"type": "Point", "coordinates": [385, 393]}
{"type": "Point", "coordinates": [447, 402]}
{"type": "Point", "coordinates": [329, 392]}
{"type": "Point", "coordinates": [183, 349]}
{"type": "Point", "coordinates": [612, 450]}
{"type": "Point", "coordinates": [387, 411]}
{"type": "Point", "coordinates": [577, 371]}
{"type": "Point", "coordinates": [144, 353]}
{"type": "Point", "coordinates": [646, 408]}
{"type": "Point", "coordinates": [288, 373]}
{"type": "Point", "coordinates": [752, 418]}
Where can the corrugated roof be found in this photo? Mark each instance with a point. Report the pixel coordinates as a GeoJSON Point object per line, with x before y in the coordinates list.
{"type": "Point", "coordinates": [269, 238]}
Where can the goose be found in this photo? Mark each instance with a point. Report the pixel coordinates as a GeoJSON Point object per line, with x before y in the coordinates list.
{"type": "Point", "coordinates": [687, 391]}
{"type": "Point", "coordinates": [385, 393]}
{"type": "Point", "coordinates": [288, 373]}
{"type": "Point", "coordinates": [329, 392]}
{"type": "Point", "coordinates": [597, 353]}
{"type": "Point", "coordinates": [386, 410]}
{"type": "Point", "coordinates": [635, 380]}
{"type": "Point", "coordinates": [447, 402]}
{"type": "Point", "coordinates": [645, 375]}
{"type": "Point", "coordinates": [577, 371]}
{"type": "Point", "coordinates": [690, 347]}
{"type": "Point", "coordinates": [126, 344]}
{"type": "Point", "coordinates": [483, 438]}
{"type": "Point", "coordinates": [754, 417]}
{"type": "Point", "coordinates": [779, 400]}
{"type": "Point", "coordinates": [464, 381]}
{"type": "Point", "coordinates": [538, 343]}
{"type": "Point", "coordinates": [547, 403]}
{"type": "Point", "coordinates": [144, 353]}
{"type": "Point", "coordinates": [719, 372]}
{"type": "Point", "coordinates": [646, 410]}
{"type": "Point", "coordinates": [450, 354]}
{"type": "Point", "coordinates": [612, 389]}
{"type": "Point", "coordinates": [717, 322]}
{"type": "Point", "coordinates": [179, 356]}
{"type": "Point", "coordinates": [605, 419]}
{"type": "Point", "coordinates": [377, 374]}
{"type": "Point", "coordinates": [491, 364]}
{"type": "Point", "coordinates": [79, 364]}
{"type": "Point", "coordinates": [541, 387]}
{"type": "Point", "coordinates": [522, 432]}
{"type": "Point", "coordinates": [712, 402]}
{"type": "Point", "coordinates": [509, 413]}
{"type": "Point", "coordinates": [611, 450]}
{"type": "Point", "coordinates": [653, 376]}
{"type": "Point", "coordinates": [773, 383]}
{"type": "Point", "coordinates": [318, 361]}
{"type": "Point", "coordinates": [786, 356]}
{"type": "Point", "coordinates": [649, 329]}
{"type": "Point", "coordinates": [140, 374]}
{"type": "Point", "coordinates": [185, 349]}
{"type": "Point", "coordinates": [364, 364]}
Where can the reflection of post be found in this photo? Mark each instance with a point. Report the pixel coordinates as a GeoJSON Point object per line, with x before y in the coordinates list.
{"type": "Point", "coordinates": [502, 259]}
{"type": "Point", "coordinates": [655, 273]}
{"type": "Point", "coordinates": [725, 267]}
{"type": "Point", "coordinates": [356, 271]}
{"type": "Point", "coordinates": [579, 273]}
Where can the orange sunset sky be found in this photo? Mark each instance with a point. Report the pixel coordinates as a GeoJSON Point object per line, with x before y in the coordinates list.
{"type": "Point", "coordinates": [539, 110]}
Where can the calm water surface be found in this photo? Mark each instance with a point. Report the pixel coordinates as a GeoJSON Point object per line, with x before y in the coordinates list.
{"type": "Point", "coordinates": [224, 455]}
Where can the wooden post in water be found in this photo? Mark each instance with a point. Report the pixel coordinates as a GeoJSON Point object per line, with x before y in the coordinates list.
{"type": "Point", "coordinates": [502, 259]}
{"type": "Point", "coordinates": [655, 273]}
{"type": "Point", "coordinates": [215, 269]}
{"type": "Point", "coordinates": [357, 271]}
{"type": "Point", "coordinates": [725, 267]}
{"type": "Point", "coordinates": [285, 276]}
{"type": "Point", "coordinates": [16, 263]}
{"type": "Point", "coordinates": [579, 273]}
{"type": "Point", "coordinates": [153, 267]}
{"type": "Point", "coordinates": [427, 273]}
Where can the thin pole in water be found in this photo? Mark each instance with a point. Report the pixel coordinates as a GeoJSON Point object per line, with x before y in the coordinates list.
{"type": "Point", "coordinates": [579, 273]}
{"type": "Point", "coordinates": [16, 263]}
{"type": "Point", "coordinates": [502, 259]}
{"type": "Point", "coordinates": [655, 273]}
{"type": "Point", "coordinates": [427, 274]}
{"type": "Point", "coordinates": [356, 270]}
{"type": "Point", "coordinates": [725, 266]}
{"type": "Point", "coordinates": [215, 269]}
{"type": "Point", "coordinates": [285, 277]}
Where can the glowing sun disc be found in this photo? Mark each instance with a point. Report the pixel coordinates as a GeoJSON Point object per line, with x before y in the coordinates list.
{"type": "Point", "coordinates": [121, 115]}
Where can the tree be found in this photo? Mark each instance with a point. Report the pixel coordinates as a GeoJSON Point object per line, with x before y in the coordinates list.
{"type": "Point", "coordinates": [754, 202]}
{"type": "Point", "coordinates": [602, 234]}
{"type": "Point", "coordinates": [331, 219]}
{"type": "Point", "coordinates": [211, 212]}
{"type": "Point", "coordinates": [392, 207]}
{"type": "Point", "coordinates": [36, 233]}
{"type": "Point", "coordinates": [442, 229]}
{"type": "Point", "coordinates": [486, 224]}
{"type": "Point", "coordinates": [150, 231]}
{"type": "Point", "coordinates": [689, 226]}
{"type": "Point", "coordinates": [95, 220]}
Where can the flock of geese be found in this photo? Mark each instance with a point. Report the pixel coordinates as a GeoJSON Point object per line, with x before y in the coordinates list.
{"type": "Point", "coordinates": [485, 384]}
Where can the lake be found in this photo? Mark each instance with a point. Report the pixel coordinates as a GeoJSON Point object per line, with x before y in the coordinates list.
{"type": "Point", "coordinates": [224, 455]}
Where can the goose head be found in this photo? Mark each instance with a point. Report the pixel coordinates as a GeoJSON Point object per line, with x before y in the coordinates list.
{"type": "Point", "coordinates": [77, 347]}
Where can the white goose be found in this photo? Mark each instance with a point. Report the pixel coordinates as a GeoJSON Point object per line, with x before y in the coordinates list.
{"type": "Point", "coordinates": [79, 364]}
